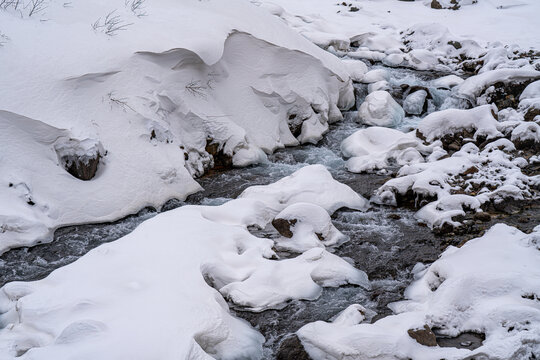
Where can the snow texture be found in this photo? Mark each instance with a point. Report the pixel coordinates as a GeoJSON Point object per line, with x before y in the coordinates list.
{"type": "Point", "coordinates": [147, 295]}
{"type": "Point", "coordinates": [489, 285]}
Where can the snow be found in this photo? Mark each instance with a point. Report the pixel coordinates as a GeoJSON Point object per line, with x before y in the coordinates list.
{"type": "Point", "coordinates": [380, 109]}
{"type": "Point", "coordinates": [311, 227]}
{"type": "Point", "coordinates": [305, 186]}
{"type": "Point", "coordinates": [148, 294]}
{"type": "Point", "coordinates": [488, 285]}
{"type": "Point", "coordinates": [168, 87]}
{"type": "Point", "coordinates": [480, 120]}
{"type": "Point", "coordinates": [376, 148]}
{"type": "Point", "coordinates": [474, 85]}
{"type": "Point", "coordinates": [447, 82]}
{"type": "Point", "coordinates": [414, 102]}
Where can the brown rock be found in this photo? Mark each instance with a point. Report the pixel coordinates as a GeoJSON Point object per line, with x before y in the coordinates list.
{"type": "Point", "coordinates": [436, 5]}
{"type": "Point", "coordinates": [284, 226]}
{"type": "Point", "coordinates": [482, 216]}
{"type": "Point", "coordinates": [423, 336]}
{"type": "Point", "coordinates": [471, 170]}
{"type": "Point", "coordinates": [81, 167]}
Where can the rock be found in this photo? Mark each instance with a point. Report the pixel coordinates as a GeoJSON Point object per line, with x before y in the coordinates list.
{"type": "Point", "coordinates": [415, 103]}
{"type": "Point", "coordinates": [80, 158]}
{"type": "Point", "coordinates": [436, 5]}
{"type": "Point", "coordinates": [482, 216]}
{"type": "Point", "coordinates": [471, 170]}
{"type": "Point", "coordinates": [295, 124]}
{"type": "Point", "coordinates": [505, 95]}
{"type": "Point", "coordinates": [374, 76]}
{"type": "Point", "coordinates": [393, 60]}
{"type": "Point", "coordinates": [283, 226]}
{"type": "Point", "coordinates": [380, 109]}
{"type": "Point", "coordinates": [423, 336]}
{"type": "Point", "coordinates": [532, 112]}
{"type": "Point", "coordinates": [292, 349]}
{"type": "Point", "coordinates": [221, 160]}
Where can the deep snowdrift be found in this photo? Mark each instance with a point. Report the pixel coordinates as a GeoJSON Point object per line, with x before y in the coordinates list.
{"type": "Point", "coordinates": [188, 86]}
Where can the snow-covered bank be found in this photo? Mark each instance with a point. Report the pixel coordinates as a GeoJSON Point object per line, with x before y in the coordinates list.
{"type": "Point", "coordinates": [162, 99]}
{"type": "Point", "coordinates": [148, 295]}
{"type": "Point", "coordinates": [490, 285]}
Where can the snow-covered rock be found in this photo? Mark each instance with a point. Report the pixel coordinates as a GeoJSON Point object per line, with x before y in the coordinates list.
{"type": "Point", "coordinates": [376, 148]}
{"type": "Point", "coordinates": [305, 186]}
{"type": "Point", "coordinates": [447, 82]}
{"type": "Point", "coordinates": [480, 121]}
{"type": "Point", "coordinates": [489, 285]}
{"type": "Point", "coordinates": [374, 76]}
{"type": "Point", "coordinates": [305, 226]}
{"type": "Point", "coordinates": [473, 86]}
{"type": "Point", "coordinates": [414, 102]}
{"type": "Point", "coordinates": [380, 109]}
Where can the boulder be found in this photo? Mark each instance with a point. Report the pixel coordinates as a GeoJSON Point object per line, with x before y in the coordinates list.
{"type": "Point", "coordinates": [380, 109]}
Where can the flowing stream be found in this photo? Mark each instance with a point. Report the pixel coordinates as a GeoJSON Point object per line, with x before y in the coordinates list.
{"type": "Point", "coordinates": [384, 242]}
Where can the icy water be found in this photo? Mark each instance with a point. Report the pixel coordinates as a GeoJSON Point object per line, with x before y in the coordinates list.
{"type": "Point", "coordinates": [384, 242]}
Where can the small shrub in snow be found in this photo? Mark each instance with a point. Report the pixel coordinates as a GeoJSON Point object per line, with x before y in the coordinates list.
{"type": "Point", "coordinates": [136, 7]}
{"type": "Point", "coordinates": [31, 7]}
{"type": "Point", "coordinates": [120, 102]}
{"type": "Point", "coordinates": [111, 24]}
{"type": "Point", "coordinates": [196, 89]}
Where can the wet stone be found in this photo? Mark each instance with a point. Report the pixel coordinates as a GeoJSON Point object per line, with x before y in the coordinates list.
{"type": "Point", "coordinates": [291, 348]}
{"type": "Point", "coordinates": [423, 336]}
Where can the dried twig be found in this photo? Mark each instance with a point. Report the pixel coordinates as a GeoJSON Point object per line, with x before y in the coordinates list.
{"type": "Point", "coordinates": [36, 6]}
{"type": "Point", "coordinates": [195, 88]}
{"type": "Point", "coordinates": [136, 7]}
{"type": "Point", "coordinates": [120, 102]}
{"type": "Point", "coordinates": [111, 24]}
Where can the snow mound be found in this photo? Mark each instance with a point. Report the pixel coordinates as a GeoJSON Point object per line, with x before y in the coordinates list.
{"type": "Point", "coordinates": [152, 293]}
{"type": "Point", "coordinates": [489, 285]}
{"type": "Point", "coordinates": [473, 86]}
{"type": "Point", "coordinates": [304, 226]}
{"type": "Point", "coordinates": [376, 148]}
{"type": "Point", "coordinates": [380, 109]}
{"type": "Point", "coordinates": [480, 121]}
{"type": "Point", "coordinates": [305, 186]}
